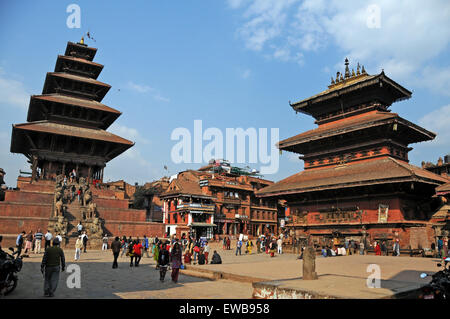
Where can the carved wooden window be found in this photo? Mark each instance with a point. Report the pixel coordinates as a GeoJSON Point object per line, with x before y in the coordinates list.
{"type": "Point", "coordinates": [383, 213]}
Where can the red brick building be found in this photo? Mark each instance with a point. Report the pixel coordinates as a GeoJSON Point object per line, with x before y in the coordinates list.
{"type": "Point", "coordinates": [357, 182]}
{"type": "Point", "coordinates": [217, 201]}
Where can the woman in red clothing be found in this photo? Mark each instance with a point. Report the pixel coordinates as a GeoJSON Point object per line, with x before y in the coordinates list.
{"type": "Point", "coordinates": [377, 249]}
{"type": "Point", "coordinates": [137, 253]}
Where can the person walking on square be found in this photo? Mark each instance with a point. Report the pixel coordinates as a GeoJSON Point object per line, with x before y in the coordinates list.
{"type": "Point", "coordinates": [115, 247]}
{"type": "Point", "coordinates": [175, 256]}
{"type": "Point", "coordinates": [361, 248]}
{"type": "Point", "coordinates": [238, 247]}
{"type": "Point", "coordinates": [137, 252]}
{"type": "Point", "coordinates": [52, 261]}
{"type": "Point", "coordinates": [272, 248]}
{"type": "Point", "coordinates": [130, 252]}
{"type": "Point", "coordinates": [38, 241]}
{"type": "Point", "coordinates": [105, 242]}
{"type": "Point", "coordinates": [19, 243]}
{"type": "Point", "coordinates": [224, 242]}
{"type": "Point", "coordinates": [28, 243]}
{"type": "Point", "coordinates": [228, 243]}
{"type": "Point", "coordinates": [48, 237]}
{"type": "Point", "coordinates": [377, 249]}
{"type": "Point", "coordinates": [249, 246]}
{"type": "Point", "coordinates": [258, 245]}
{"type": "Point", "coordinates": [397, 247]}
{"type": "Point", "coordinates": [85, 240]}
{"type": "Point", "coordinates": [124, 245]}
{"type": "Point", "coordinates": [156, 254]}
{"type": "Point", "coordinates": [145, 246]}
{"type": "Point", "coordinates": [383, 248]}
{"type": "Point", "coordinates": [78, 248]}
{"type": "Point", "coordinates": [163, 261]}
{"type": "Point", "coordinates": [280, 245]}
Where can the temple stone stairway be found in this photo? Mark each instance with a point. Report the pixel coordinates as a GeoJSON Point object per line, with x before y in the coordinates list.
{"type": "Point", "coordinates": [74, 214]}
{"type": "Point", "coordinates": [31, 206]}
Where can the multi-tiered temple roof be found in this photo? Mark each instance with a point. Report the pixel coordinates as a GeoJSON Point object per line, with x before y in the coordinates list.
{"type": "Point", "coordinates": [358, 140]}
{"type": "Point", "coordinates": [67, 123]}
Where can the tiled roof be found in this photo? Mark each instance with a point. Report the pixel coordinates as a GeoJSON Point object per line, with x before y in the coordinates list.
{"type": "Point", "coordinates": [92, 104]}
{"type": "Point", "coordinates": [340, 126]}
{"type": "Point", "coordinates": [78, 78]}
{"type": "Point", "coordinates": [353, 84]}
{"type": "Point", "coordinates": [375, 171]}
{"type": "Point", "coordinates": [445, 188]}
{"type": "Point", "coordinates": [71, 130]}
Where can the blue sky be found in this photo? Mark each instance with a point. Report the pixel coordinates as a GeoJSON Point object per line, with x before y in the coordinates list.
{"type": "Point", "coordinates": [230, 63]}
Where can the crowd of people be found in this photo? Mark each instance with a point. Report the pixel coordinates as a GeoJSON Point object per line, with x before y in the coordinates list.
{"type": "Point", "coordinates": [267, 243]}
{"type": "Point", "coordinates": [172, 253]}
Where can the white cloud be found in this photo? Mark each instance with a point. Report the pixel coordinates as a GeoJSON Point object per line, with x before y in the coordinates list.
{"type": "Point", "coordinates": [13, 92]}
{"type": "Point", "coordinates": [438, 121]}
{"type": "Point", "coordinates": [128, 133]}
{"type": "Point", "coordinates": [435, 79]}
{"type": "Point", "coordinates": [133, 166]}
{"type": "Point", "coordinates": [142, 88]}
{"type": "Point", "coordinates": [410, 33]}
{"type": "Point", "coordinates": [139, 87]}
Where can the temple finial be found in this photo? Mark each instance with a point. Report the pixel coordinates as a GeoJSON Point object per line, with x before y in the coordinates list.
{"type": "Point", "coordinates": [347, 71]}
{"type": "Point", "coordinates": [332, 81]}
{"type": "Point", "coordinates": [357, 70]}
{"type": "Point", "coordinates": [363, 71]}
{"type": "Point", "coordinates": [353, 72]}
{"type": "Point", "coordinates": [337, 76]}
{"type": "Point", "coordinates": [82, 40]}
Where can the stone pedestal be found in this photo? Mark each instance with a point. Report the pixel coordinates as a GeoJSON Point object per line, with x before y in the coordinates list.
{"type": "Point", "coordinates": [309, 264]}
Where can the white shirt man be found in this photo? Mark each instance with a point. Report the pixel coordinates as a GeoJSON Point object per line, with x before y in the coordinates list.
{"type": "Point", "coordinates": [48, 237]}
{"type": "Point", "coordinates": [105, 243]}
{"type": "Point", "coordinates": [59, 238]}
{"type": "Point", "coordinates": [280, 245]}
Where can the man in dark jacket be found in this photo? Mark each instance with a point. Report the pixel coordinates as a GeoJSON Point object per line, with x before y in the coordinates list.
{"type": "Point", "coordinates": [116, 245]}
{"type": "Point", "coordinates": [51, 262]}
{"type": "Point", "coordinates": [163, 262]}
{"type": "Point", "coordinates": [216, 258]}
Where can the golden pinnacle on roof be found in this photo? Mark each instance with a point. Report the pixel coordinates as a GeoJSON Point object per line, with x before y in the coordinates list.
{"type": "Point", "coordinates": [347, 71]}
{"type": "Point", "coordinates": [82, 40]}
{"type": "Point", "coordinates": [347, 77]}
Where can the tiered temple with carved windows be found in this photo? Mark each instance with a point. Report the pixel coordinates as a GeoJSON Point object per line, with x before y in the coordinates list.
{"type": "Point", "coordinates": [357, 182]}
{"type": "Point", "coordinates": [66, 130]}
{"type": "Point", "coordinates": [67, 124]}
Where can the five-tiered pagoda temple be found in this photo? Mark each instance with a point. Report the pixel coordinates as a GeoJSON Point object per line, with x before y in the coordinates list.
{"type": "Point", "coordinates": [66, 131]}
{"type": "Point", "coordinates": [67, 124]}
{"type": "Point", "coordinates": [357, 182]}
